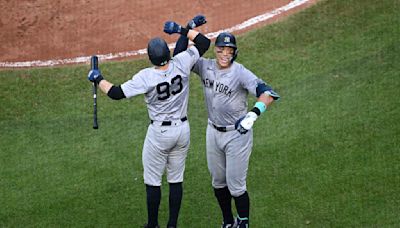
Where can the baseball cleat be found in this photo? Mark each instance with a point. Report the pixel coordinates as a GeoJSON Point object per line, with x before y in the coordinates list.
{"type": "Point", "coordinates": [242, 222]}
{"type": "Point", "coordinates": [229, 225]}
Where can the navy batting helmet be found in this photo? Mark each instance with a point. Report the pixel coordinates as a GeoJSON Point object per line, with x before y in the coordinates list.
{"type": "Point", "coordinates": [226, 39]}
{"type": "Point", "coordinates": [158, 51]}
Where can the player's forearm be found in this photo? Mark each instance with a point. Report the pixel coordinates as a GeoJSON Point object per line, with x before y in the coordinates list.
{"type": "Point", "coordinates": [181, 45]}
{"type": "Point", "coordinates": [263, 101]}
{"type": "Point", "coordinates": [260, 106]}
{"type": "Point", "coordinates": [113, 92]}
{"type": "Point", "coordinates": [105, 86]}
{"type": "Point", "coordinates": [266, 99]}
{"type": "Point", "coordinates": [265, 96]}
{"type": "Point", "coordinates": [192, 34]}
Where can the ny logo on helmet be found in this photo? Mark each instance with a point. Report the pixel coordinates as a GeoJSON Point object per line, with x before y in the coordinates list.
{"type": "Point", "coordinates": [227, 39]}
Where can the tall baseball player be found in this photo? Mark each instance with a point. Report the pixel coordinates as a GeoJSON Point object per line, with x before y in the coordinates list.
{"type": "Point", "coordinates": [226, 85]}
{"type": "Point", "coordinates": [165, 87]}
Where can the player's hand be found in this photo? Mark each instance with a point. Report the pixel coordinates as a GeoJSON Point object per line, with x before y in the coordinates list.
{"type": "Point", "coordinates": [196, 21]}
{"type": "Point", "coordinates": [171, 27]}
{"type": "Point", "coordinates": [239, 128]}
{"type": "Point", "coordinates": [244, 124]}
{"type": "Point", "coordinates": [95, 76]}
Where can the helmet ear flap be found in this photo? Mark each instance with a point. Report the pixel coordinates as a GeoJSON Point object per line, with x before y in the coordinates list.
{"type": "Point", "coordinates": [234, 56]}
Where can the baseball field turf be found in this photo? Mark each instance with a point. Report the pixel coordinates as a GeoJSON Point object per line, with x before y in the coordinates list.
{"type": "Point", "coordinates": [326, 155]}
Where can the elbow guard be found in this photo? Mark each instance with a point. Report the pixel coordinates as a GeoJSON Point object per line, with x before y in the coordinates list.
{"type": "Point", "coordinates": [116, 93]}
{"type": "Point", "coordinates": [202, 43]}
{"type": "Point", "coordinates": [263, 88]}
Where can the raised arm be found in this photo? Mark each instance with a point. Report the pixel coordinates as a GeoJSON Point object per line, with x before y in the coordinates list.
{"type": "Point", "coordinates": [202, 43]}
{"type": "Point", "coordinates": [183, 41]}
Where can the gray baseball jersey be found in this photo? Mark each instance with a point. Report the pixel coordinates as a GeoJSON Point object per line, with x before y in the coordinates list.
{"type": "Point", "coordinates": [226, 92]}
{"type": "Point", "coordinates": [166, 94]}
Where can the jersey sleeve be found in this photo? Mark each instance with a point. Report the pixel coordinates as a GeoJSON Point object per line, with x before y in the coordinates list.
{"type": "Point", "coordinates": [188, 58]}
{"type": "Point", "coordinates": [135, 86]}
{"type": "Point", "coordinates": [249, 81]}
{"type": "Point", "coordinates": [197, 67]}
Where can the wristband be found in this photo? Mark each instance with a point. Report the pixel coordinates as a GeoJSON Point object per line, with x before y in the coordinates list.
{"type": "Point", "coordinates": [184, 31]}
{"type": "Point", "coordinates": [98, 79]}
{"type": "Point", "coordinates": [256, 111]}
{"type": "Point", "coordinates": [261, 106]}
{"type": "Point", "coordinates": [191, 25]}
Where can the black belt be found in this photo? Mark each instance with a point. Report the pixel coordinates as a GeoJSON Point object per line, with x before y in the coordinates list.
{"type": "Point", "coordinates": [222, 129]}
{"type": "Point", "coordinates": [169, 123]}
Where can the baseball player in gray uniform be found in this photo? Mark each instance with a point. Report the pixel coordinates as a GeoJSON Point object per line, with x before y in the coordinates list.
{"type": "Point", "coordinates": [229, 138]}
{"type": "Point", "coordinates": [165, 87]}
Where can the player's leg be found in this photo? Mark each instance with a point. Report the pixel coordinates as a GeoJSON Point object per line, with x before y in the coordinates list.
{"type": "Point", "coordinates": [175, 170]}
{"type": "Point", "coordinates": [242, 203]}
{"type": "Point", "coordinates": [216, 166]}
{"type": "Point", "coordinates": [175, 199]}
{"type": "Point", "coordinates": [153, 198]}
{"type": "Point", "coordinates": [224, 199]}
{"type": "Point", "coordinates": [238, 155]}
{"type": "Point", "coordinates": [153, 168]}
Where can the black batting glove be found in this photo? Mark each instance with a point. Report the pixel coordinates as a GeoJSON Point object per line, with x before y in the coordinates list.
{"type": "Point", "coordinates": [172, 27]}
{"type": "Point", "coordinates": [196, 22]}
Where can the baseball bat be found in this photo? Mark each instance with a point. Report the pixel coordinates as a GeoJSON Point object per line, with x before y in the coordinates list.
{"type": "Point", "coordinates": [94, 64]}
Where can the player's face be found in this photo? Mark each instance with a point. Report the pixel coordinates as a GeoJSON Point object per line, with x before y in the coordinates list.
{"type": "Point", "coordinates": [224, 56]}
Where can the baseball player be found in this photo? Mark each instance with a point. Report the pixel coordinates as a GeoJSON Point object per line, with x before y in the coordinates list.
{"type": "Point", "coordinates": [165, 87]}
{"type": "Point", "coordinates": [229, 138]}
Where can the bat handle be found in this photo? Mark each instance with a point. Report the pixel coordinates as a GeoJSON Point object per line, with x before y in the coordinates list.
{"type": "Point", "coordinates": [95, 124]}
{"type": "Point", "coordinates": [94, 62]}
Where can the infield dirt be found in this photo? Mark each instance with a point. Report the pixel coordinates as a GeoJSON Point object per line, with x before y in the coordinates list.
{"type": "Point", "coordinates": [46, 30]}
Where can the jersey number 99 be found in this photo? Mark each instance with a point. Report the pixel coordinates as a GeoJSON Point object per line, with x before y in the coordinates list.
{"type": "Point", "coordinates": [165, 89]}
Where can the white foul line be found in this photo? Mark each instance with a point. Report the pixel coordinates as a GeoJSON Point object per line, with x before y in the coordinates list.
{"type": "Point", "coordinates": [83, 59]}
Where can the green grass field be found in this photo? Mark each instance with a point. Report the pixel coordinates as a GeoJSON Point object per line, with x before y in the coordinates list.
{"type": "Point", "coordinates": [326, 155]}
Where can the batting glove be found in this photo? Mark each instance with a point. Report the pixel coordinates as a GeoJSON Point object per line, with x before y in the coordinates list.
{"type": "Point", "coordinates": [196, 22]}
{"type": "Point", "coordinates": [171, 27]}
{"type": "Point", "coordinates": [95, 76]}
{"type": "Point", "coordinates": [246, 123]}
{"type": "Point", "coordinates": [239, 128]}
